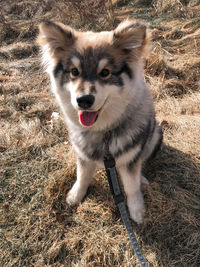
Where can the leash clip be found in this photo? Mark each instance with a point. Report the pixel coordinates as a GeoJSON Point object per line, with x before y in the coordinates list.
{"type": "Point", "coordinates": [109, 161]}
{"type": "Point", "coordinates": [110, 166]}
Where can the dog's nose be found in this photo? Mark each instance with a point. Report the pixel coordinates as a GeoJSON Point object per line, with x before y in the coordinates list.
{"type": "Point", "coordinates": [85, 101]}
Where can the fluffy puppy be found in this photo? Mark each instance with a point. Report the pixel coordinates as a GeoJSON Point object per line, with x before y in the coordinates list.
{"type": "Point", "coordinates": [97, 79]}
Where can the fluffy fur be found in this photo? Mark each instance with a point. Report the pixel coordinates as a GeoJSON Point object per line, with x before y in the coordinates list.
{"type": "Point", "coordinates": [97, 79]}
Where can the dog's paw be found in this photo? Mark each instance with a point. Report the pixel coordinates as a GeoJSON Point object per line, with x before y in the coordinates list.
{"type": "Point", "coordinates": [137, 215]}
{"type": "Point", "coordinates": [144, 180]}
{"type": "Point", "coordinates": [75, 195]}
{"type": "Point", "coordinates": [136, 209]}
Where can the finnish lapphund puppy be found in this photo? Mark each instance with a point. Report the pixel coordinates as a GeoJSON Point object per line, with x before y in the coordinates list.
{"type": "Point", "coordinates": [97, 79]}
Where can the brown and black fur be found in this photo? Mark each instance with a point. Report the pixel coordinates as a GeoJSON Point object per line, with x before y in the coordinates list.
{"type": "Point", "coordinates": [108, 68]}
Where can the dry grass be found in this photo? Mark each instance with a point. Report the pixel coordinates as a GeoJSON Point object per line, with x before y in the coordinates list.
{"type": "Point", "coordinates": [37, 164]}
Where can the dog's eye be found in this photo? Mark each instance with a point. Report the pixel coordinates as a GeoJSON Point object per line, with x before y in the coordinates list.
{"type": "Point", "coordinates": [105, 73]}
{"type": "Point", "coordinates": [74, 72]}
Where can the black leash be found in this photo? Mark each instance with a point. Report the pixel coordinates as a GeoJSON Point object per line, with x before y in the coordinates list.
{"type": "Point", "coordinates": [110, 166]}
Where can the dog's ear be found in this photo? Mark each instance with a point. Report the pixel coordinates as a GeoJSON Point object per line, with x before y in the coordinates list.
{"type": "Point", "coordinates": [55, 38]}
{"type": "Point", "coordinates": [131, 38]}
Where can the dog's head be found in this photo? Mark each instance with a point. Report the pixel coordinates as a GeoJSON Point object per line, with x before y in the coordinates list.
{"type": "Point", "coordinates": [98, 71]}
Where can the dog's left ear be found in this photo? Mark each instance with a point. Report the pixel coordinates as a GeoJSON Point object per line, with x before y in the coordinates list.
{"type": "Point", "coordinates": [131, 38]}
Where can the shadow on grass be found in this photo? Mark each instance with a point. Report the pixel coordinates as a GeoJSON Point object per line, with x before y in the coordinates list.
{"type": "Point", "coordinates": [171, 224]}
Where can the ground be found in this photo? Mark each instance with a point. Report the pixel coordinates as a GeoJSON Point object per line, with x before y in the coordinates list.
{"type": "Point", "coordinates": [37, 164]}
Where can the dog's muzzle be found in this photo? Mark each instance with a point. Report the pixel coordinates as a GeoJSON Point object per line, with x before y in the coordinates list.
{"type": "Point", "coordinates": [86, 117]}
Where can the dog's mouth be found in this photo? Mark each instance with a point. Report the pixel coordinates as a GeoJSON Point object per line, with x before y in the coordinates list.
{"type": "Point", "coordinates": [88, 118]}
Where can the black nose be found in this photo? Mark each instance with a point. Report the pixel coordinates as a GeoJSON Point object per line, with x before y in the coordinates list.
{"type": "Point", "coordinates": [85, 101]}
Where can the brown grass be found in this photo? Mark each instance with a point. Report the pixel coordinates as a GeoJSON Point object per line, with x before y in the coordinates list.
{"type": "Point", "coordinates": [37, 164]}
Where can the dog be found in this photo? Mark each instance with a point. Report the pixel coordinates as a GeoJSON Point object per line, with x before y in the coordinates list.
{"type": "Point", "coordinates": [97, 79]}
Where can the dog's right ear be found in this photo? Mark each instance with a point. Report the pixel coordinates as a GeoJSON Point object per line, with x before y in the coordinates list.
{"type": "Point", "coordinates": [55, 38]}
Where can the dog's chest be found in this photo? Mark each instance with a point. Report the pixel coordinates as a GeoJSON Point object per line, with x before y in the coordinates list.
{"type": "Point", "coordinates": [89, 145]}
{"type": "Point", "coordinates": [121, 143]}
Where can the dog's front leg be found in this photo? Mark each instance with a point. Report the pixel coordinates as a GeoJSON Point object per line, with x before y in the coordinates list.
{"type": "Point", "coordinates": [131, 178]}
{"type": "Point", "coordinates": [85, 172]}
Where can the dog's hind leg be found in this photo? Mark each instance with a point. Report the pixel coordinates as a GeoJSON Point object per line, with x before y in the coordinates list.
{"type": "Point", "coordinates": [85, 172]}
{"type": "Point", "coordinates": [131, 178]}
{"type": "Point", "coordinates": [154, 144]}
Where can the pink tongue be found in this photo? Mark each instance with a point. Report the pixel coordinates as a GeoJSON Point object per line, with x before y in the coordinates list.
{"type": "Point", "coordinates": [88, 118]}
